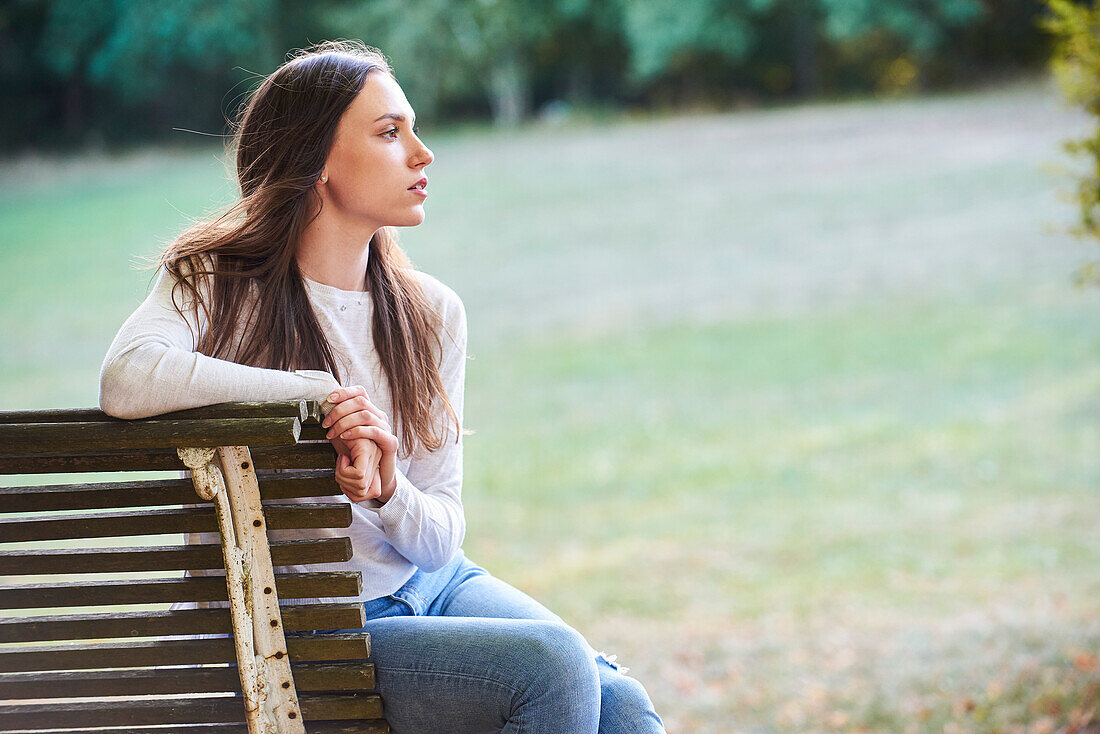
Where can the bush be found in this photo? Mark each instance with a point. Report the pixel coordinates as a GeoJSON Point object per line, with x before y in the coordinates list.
{"type": "Point", "coordinates": [1076, 65]}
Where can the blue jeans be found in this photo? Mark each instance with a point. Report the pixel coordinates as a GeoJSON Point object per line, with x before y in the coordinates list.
{"type": "Point", "coordinates": [457, 650]}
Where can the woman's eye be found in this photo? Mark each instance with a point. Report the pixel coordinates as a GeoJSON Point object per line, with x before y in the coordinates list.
{"type": "Point", "coordinates": [392, 132]}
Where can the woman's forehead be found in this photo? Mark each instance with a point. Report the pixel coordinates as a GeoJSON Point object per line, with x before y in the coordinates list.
{"type": "Point", "coordinates": [380, 96]}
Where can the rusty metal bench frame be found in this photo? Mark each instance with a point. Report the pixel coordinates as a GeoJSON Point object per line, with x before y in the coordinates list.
{"type": "Point", "coordinates": [253, 667]}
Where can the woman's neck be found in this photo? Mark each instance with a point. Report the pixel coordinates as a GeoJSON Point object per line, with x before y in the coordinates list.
{"type": "Point", "coordinates": [334, 256]}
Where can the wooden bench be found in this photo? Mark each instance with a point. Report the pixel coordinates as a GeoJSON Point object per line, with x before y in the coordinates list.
{"type": "Point", "coordinates": [87, 641]}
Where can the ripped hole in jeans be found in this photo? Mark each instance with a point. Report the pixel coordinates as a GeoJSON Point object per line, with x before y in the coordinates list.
{"type": "Point", "coordinates": [611, 660]}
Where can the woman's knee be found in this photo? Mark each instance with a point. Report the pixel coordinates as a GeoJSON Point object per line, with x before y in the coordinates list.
{"type": "Point", "coordinates": [559, 682]}
{"type": "Point", "coordinates": [558, 649]}
{"type": "Point", "coordinates": [625, 705]}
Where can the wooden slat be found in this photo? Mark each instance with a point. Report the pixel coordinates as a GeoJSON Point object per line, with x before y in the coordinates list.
{"type": "Point", "coordinates": [151, 493]}
{"type": "Point", "coordinates": [125, 683]}
{"type": "Point", "coordinates": [158, 591]}
{"type": "Point", "coordinates": [356, 676]}
{"type": "Point", "coordinates": [177, 711]}
{"type": "Point", "coordinates": [300, 456]}
{"type": "Point", "coordinates": [301, 409]}
{"type": "Point", "coordinates": [107, 461]}
{"type": "Point", "coordinates": [350, 676]}
{"type": "Point", "coordinates": [163, 558]}
{"type": "Point", "coordinates": [110, 524]}
{"type": "Point", "coordinates": [328, 647]}
{"type": "Point", "coordinates": [66, 438]}
{"type": "Point", "coordinates": [313, 413]}
{"type": "Point", "coordinates": [313, 432]}
{"type": "Point", "coordinates": [342, 706]}
{"type": "Point", "coordinates": [307, 483]}
{"type": "Point", "coordinates": [371, 726]}
{"type": "Point", "coordinates": [98, 496]}
{"type": "Point", "coordinates": [199, 519]}
{"type": "Point", "coordinates": [307, 648]}
{"type": "Point", "coordinates": [296, 617]}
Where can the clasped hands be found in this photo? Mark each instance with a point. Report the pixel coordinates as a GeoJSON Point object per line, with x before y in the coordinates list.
{"type": "Point", "coordinates": [366, 448]}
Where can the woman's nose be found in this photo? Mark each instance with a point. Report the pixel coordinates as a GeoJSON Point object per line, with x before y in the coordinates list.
{"type": "Point", "coordinates": [429, 156]}
{"type": "Point", "coordinates": [424, 156]}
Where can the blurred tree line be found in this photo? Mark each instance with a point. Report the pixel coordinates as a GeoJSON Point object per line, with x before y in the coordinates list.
{"type": "Point", "coordinates": [113, 71]}
{"type": "Point", "coordinates": [1076, 64]}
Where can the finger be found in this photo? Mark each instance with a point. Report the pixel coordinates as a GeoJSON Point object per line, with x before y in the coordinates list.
{"type": "Point", "coordinates": [353, 399]}
{"type": "Point", "coordinates": [342, 463]}
{"type": "Point", "coordinates": [348, 405]}
{"type": "Point", "coordinates": [384, 439]}
{"type": "Point", "coordinates": [350, 484]}
{"type": "Point", "coordinates": [348, 489]}
{"type": "Point", "coordinates": [368, 459]}
{"type": "Point", "coordinates": [358, 491]}
{"type": "Point", "coordinates": [355, 494]}
{"type": "Point", "coordinates": [358, 418]}
{"type": "Point", "coordinates": [347, 486]}
{"type": "Point", "coordinates": [351, 473]}
{"type": "Point", "coordinates": [338, 396]}
{"type": "Point", "coordinates": [341, 394]}
{"type": "Point", "coordinates": [341, 447]}
{"type": "Point", "coordinates": [355, 411]}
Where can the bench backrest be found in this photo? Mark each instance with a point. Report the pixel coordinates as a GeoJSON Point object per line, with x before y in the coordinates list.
{"type": "Point", "coordinates": [87, 638]}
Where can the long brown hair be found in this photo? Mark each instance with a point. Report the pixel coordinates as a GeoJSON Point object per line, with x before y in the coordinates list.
{"type": "Point", "coordinates": [238, 269]}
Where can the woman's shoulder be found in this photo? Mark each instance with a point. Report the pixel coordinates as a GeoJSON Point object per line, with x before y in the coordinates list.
{"type": "Point", "coordinates": [442, 298]}
{"type": "Point", "coordinates": [194, 270]}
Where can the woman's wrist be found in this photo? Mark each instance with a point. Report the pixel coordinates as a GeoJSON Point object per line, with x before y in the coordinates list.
{"type": "Point", "coordinates": [387, 491]}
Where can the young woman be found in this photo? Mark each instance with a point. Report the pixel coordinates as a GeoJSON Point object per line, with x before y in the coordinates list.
{"type": "Point", "coordinates": [300, 291]}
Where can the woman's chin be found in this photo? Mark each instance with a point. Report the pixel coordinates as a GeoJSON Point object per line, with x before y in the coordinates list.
{"type": "Point", "coordinates": [414, 218]}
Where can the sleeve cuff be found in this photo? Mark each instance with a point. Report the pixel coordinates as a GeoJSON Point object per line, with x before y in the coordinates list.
{"type": "Point", "coordinates": [321, 384]}
{"type": "Point", "coordinates": [398, 505]}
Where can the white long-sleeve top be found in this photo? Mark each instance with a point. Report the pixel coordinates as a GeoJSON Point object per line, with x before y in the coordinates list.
{"type": "Point", "coordinates": [152, 367]}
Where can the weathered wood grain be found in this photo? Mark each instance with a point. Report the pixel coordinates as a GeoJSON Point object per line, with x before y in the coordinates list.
{"type": "Point", "coordinates": [357, 676]}
{"type": "Point", "coordinates": [306, 648]}
{"type": "Point", "coordinates": [154, 492]}
{"type": "Point", "coordinates": [163, 558]}
{"type": "Point", "coordinates": [296, 617]}
{"type": "Point", "coordinates": [18, 439]}
{"type": "Point", "coordinates": [160, 591]}
{"type": "Point", "coordinates": [200, 519]}
{"type": "Point", "coordinates": [176, 711]}
{"type": "Point", "coordinates": [300, 456]}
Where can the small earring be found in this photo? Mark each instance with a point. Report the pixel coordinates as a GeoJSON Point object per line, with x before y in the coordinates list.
{"type": "Point", "coordinates": [324, 178]}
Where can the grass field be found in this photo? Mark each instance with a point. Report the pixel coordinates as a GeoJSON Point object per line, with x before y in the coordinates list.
{"type": "Point", "coordinates": [797, 411]}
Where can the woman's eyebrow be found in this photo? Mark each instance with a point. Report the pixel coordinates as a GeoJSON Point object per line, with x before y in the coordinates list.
{"type": "Point", "coordinates": [397, 116]}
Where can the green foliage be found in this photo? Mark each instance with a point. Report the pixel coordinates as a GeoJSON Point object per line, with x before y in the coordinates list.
{"type": "Point", "coordinates": [661, 33]}
{"type": "Point", "coordinates": [922, 26]}
{"type": "Point", "coordinates": [74, 32]}
{"type": "Point", "coordinates": [444, 49]}
{"type": "Point", "coordinates": [429, 44]}
{"type": "Point", "coordinates": [1076, 64]}
{"type": "Point", "coordinates": [125, 69]}
{"type": "Point", "coordinates": [137, 49]}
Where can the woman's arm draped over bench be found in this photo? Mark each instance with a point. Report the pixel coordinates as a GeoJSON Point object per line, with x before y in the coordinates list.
{"type": "Point", "coordinates": [152, 368]}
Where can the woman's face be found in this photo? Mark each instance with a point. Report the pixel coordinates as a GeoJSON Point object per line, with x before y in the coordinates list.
{"type": "Point", "coordinates": [376, 161]}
